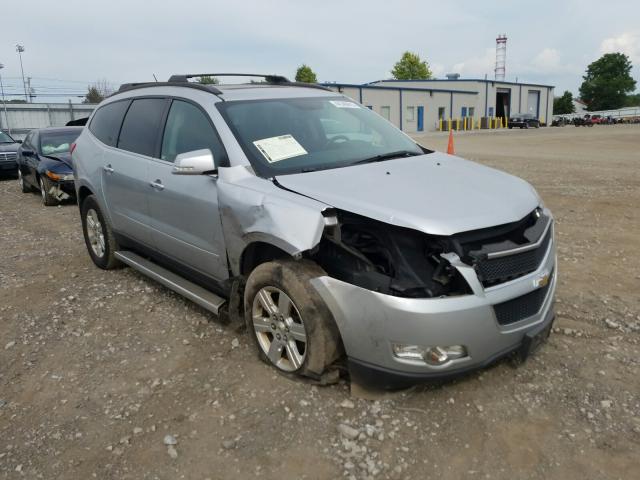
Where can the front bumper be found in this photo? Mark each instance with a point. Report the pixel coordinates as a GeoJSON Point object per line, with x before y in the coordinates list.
{"type": "Point", "coordinates": [63, 189]}
{"type": "Point", "coordinates": [8, 166]}
{"type": "Point", "coordinates": [370, 323]}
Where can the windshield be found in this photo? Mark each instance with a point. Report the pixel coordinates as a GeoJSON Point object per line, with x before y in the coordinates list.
{"type": "Point", "coordinates": [4, 138]}
{"type": "Point", "coordinates": [293, 135]}
{"type": "Point", "coordinates": [59, 142]}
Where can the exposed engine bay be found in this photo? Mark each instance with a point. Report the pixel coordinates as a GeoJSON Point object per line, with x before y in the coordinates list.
{"type": "Point", "coordinates": [407, 263]}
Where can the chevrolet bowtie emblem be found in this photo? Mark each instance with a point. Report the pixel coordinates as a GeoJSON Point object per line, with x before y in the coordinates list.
{"type": "Point", "coordinates": [542, 280]}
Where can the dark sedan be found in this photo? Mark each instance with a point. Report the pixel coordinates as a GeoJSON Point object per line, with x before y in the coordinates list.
{"type": "Point", "coordinates": [524, 120]}
{"type": "Point", "coordinates": [8, 154]}
{"type": "Point", "coordinates": [44, 163]}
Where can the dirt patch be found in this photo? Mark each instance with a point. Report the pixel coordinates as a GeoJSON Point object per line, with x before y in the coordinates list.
{"type": "Point", "coordinates": [96, 368]}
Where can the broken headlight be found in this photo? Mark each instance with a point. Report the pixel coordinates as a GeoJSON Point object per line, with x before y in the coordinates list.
{"type": "Point", "coordinates": [388, 259]}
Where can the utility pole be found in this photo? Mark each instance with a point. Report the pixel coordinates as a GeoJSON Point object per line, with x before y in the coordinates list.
{"type": "Point", "coordinates": [20, 49]}
{"type": "Point", "coordinates": [4, 104]}
{"type": "Point", "coordinates": [30, 90]}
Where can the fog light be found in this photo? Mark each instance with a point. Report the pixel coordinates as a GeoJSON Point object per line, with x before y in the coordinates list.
{"type": "Point", "coordinates": [408, 352]}
{"type": "Point", "coordinates": [440, 355]}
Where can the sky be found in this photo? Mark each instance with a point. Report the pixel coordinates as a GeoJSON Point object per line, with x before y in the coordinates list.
{"type": "Point", "coordinates": [70, 43]}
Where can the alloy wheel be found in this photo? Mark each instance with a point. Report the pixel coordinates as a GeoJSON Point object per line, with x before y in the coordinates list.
{"type": "Point", "coordinates": [43, 192]}
{"type": "Point", "coordinates": [279, 328]}
{"type": "Point", "coordinates": [95, 233]}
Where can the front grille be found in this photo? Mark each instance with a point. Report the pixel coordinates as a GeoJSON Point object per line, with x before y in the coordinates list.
{"type": "Point", "coordinates": [522, 307]}
{"type": "Point", "coordinates": [6, 156]}
{"type": "Point", "coordinates": [502, 269]}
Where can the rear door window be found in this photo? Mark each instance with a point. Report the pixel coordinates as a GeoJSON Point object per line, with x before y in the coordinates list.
{"type": "Point", "coordinates": [106, 122]}
{"type": "Point", "coordinates": [142, 126]}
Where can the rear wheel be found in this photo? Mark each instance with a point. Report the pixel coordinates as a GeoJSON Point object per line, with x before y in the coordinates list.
{"type": "Point", "coordinates": [287, 319]}
{"type": "Point", "coordinates": [48, 200]}
{"type": "Point", "coordinates": [98, 235]}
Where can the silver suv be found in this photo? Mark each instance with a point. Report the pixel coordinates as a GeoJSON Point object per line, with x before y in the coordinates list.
{"type": "Point", "coordinates": [336, 238]}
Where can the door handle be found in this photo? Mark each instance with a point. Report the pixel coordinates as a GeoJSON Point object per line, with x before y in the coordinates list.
{"type": "Point", "coordinates": [108, 168]}
{"type": "Point", "coordinates": [157, 185]}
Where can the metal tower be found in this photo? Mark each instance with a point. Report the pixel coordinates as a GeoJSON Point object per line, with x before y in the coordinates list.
{"type": "Point", "coordinates": [501, 56]}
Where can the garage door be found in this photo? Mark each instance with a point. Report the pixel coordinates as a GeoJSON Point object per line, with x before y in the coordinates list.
{"type": "Point", "coordinates": [533, 103]}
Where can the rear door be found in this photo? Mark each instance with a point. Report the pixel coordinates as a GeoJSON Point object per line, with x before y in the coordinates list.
{"type": "Point", "coordinates": [184, 208]}
{"type": "Point", "coordinates": [125, 168]}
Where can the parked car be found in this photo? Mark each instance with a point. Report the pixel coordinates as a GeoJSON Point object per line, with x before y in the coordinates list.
{"type": "Point", "coordinates": [559, 121]}
{"type": "Point", "coordinates": [524, 120]}
{"type": "Point", "coordinates": [355, 246]}
{"type": "Point", "coordinates": [8, 154]}
{"type": "Point", "coordinates": [585, 121]}
{"type": "Point", "coordinates": [44, 163]}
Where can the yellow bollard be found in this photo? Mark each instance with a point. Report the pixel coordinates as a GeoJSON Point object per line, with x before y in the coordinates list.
{"type": "Point", "coordinates": [440, 124]}
{"type": "Point", "coordinates": [449, 124]}
{"type": "Point", "coordinates": [464, 123]}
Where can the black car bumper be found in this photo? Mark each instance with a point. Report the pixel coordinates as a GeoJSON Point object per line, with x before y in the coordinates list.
{"type": "Point", "coordinates": [8, 166]}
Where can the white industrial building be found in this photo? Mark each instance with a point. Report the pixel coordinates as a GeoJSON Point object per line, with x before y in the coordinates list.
{"type": "Point", "coordinates": [427, 105]}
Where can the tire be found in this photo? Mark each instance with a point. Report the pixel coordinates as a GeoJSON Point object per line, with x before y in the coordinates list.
{"type": "Point", "coordinates": [23, 185]}
{"type": "Point", "coordinates": [48, 200]}
{"type": "Point", "coordinates": [98, 236]}
{"type": "Point", "coordinates": [302, 339]}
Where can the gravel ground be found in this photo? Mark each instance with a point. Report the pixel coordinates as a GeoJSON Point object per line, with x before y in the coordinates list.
{"type": "Point", "coordinates": [108, 375]}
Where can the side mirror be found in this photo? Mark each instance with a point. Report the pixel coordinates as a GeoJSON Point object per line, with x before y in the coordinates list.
{"type": "Point", "coordinates": [18, 141]}
{"type": "Point", "coordinates": [197, 162]}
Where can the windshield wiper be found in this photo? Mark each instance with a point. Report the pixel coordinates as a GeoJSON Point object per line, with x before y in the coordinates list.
{"type": "Point", "coordinates": [386, 156]}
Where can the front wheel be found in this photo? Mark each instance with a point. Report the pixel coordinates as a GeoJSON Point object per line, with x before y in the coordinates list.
{"type": "Point", "coordinates": [98, 235]}
{"type": "Point", "coordinates": [48, 200]}
{"type": "Point", "coordinates": [287, 319]}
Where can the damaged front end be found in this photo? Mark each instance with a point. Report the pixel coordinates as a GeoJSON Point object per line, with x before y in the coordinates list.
{"type": "Point", "coordinates": [407, 263]}
{"type": "Point", "coordinates": [387, 259]}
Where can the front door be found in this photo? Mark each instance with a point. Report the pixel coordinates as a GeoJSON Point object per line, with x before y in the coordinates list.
{"type": "Point", "coordinates": [420, 119]}
{"type": "Point", "coordinates": [184, 208]}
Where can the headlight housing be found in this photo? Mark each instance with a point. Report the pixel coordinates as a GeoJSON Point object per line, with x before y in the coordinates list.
{"type": "Point", "coordinates": [59, 177]}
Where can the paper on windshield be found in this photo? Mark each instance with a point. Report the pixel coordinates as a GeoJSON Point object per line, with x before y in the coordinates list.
{"type": "Point", "coordinates": [343, 104]}
{"type": "Point", "coordinates": [275, 149]}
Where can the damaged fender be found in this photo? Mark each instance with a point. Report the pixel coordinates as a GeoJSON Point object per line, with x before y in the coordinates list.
{"type": "Point", "coordinates": [255, 210]}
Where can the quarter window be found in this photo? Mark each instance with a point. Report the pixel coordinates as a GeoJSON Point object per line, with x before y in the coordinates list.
{"type": "Point", "coordinates": [141, 126]}
{"type": "Point", "coordinates": [189, 129]}
{"type": "Point", "coordinates": [107, 120]}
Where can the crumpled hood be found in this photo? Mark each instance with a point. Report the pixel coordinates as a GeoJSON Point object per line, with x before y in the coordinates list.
{"type": "Point", "coordinates": [61, 157]}
{"type": "Point", "coordinates": [435, 193]}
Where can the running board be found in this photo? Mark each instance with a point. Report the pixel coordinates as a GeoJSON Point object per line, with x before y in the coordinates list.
{"type": "Point", "coordinates": [203, 297]}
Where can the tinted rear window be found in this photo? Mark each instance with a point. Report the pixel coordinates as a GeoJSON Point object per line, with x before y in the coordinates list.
{"type": "Point", "coordinates": [106, 122]}
{"type": "Point", "coordinates": [141, 126]}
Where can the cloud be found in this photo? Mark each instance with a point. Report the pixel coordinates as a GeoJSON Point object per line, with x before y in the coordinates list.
{"type": "Point", "coordinates": [477, 66]}
{"type": "Point", "coordinates": [627, 43]}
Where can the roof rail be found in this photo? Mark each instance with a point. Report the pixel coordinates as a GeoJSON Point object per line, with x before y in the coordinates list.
{"type": "Point", "coordinates": [131, 86]}
{"type": "Point", "coordinates": [270, 79]}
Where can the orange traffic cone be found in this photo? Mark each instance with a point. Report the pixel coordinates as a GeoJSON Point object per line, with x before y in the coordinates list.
{"type": "Point", "coordinates": [450, 149]}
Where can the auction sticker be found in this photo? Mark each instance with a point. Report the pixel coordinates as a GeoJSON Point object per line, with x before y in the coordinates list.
{"type": "Point", "coordinates": [275, 149]}
{"type": "Point", "coordinates": [343, 104]}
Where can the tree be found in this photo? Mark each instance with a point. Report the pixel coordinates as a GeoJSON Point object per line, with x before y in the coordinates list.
{"type": "Point", "coordinates": [411, 67]}
{"type": "Point", "coordinates": [208, 80]}
{"type": "Point", "coordinates": [607, 82]}
{"type": "Point", "coordinates": [97, 92]}
{"type": "Point", "coordinates": [306, 75]}
{"type": "Point", "coordinates": [632, 100]}
{"type": "Point", "coordinates": [564, 104]}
